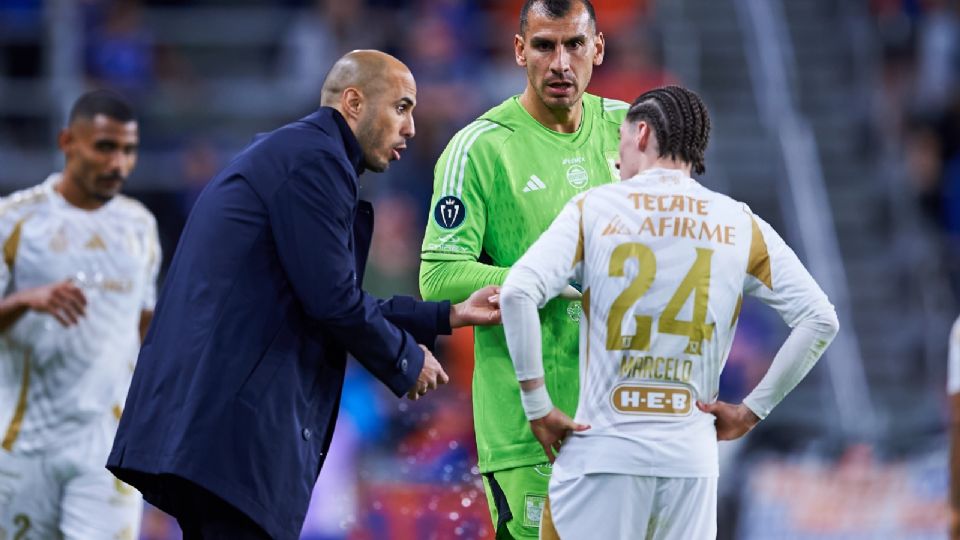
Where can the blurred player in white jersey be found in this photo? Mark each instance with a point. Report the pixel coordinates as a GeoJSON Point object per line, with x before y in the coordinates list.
{"type": "Point", "coordinates": [664, 263]}
{"type": "Point", "coordinates": [953, 390]}
{"type": "Point", "coordinates": [78, 278]}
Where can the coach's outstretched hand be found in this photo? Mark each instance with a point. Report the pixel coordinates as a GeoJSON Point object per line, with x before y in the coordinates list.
{"type": "Point", "coordinates": [733, 421]}
{"type": "Point", "coordinates": [552, 429]}
{"type": "Point", "coordinates": [431, 376]}
{"type": "Point", "coordinates": [481, 309]}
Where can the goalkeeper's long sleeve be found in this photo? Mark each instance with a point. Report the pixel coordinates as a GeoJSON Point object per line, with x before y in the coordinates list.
{"type": "Point", "coordinates": [456, 280]}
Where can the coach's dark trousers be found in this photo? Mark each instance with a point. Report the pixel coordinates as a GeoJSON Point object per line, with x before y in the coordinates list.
{"type": "Point", "coordinates": [200, 514]}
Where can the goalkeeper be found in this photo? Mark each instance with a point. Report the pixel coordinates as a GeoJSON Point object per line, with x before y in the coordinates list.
{"type": "Point", "coordinates": [498, 185]}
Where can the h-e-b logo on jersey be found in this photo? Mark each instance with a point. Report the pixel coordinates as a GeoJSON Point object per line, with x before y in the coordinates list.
{"type": "Point", "coordinates": [449, 212]}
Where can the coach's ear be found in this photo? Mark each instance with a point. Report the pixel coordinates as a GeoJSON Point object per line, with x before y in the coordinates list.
{"type": "Point", "coordinates": [518, 50]}
{"type": "Point", "coordinates": [351, 103]}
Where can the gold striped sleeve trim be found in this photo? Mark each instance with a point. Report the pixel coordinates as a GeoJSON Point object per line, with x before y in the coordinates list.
{"type": "Point", "coordinates": [578, 255]}
{"type": "Point", "coordinates": [586, 303]}
{"type": "Point", "coordinates": [736, 311]}
{"type": "Point", "coordinates": [759, 264]}
{"type": "Point", "coordinates": [13, 430]}
{"type": "Point", "coordinates": [12, 244]}
{"type": "Point", "coordinates": [586, 313]}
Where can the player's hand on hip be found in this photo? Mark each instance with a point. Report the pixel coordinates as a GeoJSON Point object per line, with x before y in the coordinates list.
{"type": "Point", "coordinates": [732, 421]}
{"type": "Point", "coordinates": [63, 300]}
{"type": "Point", "coordinates": [482, 308]}
{"type": "Point", "coordinates": [431, 376]}
{"type": "Point", "coordinates": [552, 429]}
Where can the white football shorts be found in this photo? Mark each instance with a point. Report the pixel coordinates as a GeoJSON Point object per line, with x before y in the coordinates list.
{"type": "Point", "coordinates": [627, 506]}
{"type": "Point", "coordinates": [67, 491]}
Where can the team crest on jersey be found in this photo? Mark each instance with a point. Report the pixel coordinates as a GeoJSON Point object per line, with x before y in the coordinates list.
{"type": "Point", "coordinates": [577, 176]}
{"type": "Point", "coordinates": [574, 310]}
{"type": "Point", "coordinates": [449, 212]}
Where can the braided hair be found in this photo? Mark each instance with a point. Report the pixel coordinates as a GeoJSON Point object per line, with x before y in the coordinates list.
{"type": "Point", "coordinates": [679, 120]}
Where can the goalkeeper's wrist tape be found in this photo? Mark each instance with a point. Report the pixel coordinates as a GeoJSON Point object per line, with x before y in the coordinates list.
{"type": "Point", "coordinates": [536, 402]}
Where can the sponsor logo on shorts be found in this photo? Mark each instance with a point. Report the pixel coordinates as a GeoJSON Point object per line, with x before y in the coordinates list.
{"type": "Point", "coordinates": [533, 509]}
{"type": "Point", "coordinates": [660, 400]}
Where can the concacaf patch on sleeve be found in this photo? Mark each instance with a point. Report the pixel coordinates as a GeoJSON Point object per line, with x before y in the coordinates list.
{"type": "Point", "coordinates": [449, 212]}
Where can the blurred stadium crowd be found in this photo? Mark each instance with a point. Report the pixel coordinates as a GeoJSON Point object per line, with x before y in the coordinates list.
{"type": "Point", "coordinates": [917, 109]}
{"type": "Point", "coordinates": [206, 75]}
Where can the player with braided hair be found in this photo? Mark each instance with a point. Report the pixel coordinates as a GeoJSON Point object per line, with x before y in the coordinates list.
{"type": "Point", "coordinates": [677, 117]}
{"type": "Point", "coordinates": [664, 263]}
{"type": "Point", "coordinates": [498, 185]}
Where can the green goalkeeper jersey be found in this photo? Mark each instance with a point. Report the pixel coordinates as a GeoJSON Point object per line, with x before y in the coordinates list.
{"type": "Point", "coordinates": [497, 186]}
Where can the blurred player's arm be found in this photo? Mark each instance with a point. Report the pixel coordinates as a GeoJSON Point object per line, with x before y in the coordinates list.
{"type": "Point", "coordinates": [777, 277]}
{"type": "Point", "coordinates": [154, 256]}
{"type": "Point", "coordinates": [953, 390]}
{"type": "Point", "coordinates": [541, 274]}
{"type": "Point", "coordinates": [63, 300]}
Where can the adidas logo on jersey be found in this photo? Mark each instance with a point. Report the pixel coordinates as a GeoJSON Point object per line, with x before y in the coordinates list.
{"type": "Point", "coordinates": [615, 227]}
{"type": "Point", "coordinates": [95, 242]}
{"type": "Point", "coordinates": [534, 184]}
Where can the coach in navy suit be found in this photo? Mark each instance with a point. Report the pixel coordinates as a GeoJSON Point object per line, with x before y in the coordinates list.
{"type": "Point", "coordinates": [236, 390]}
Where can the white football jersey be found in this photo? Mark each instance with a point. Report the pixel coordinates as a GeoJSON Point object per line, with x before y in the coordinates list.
{"type": "Point", "coordinates": [663, 263]}
{"type": "Point", "coordinates": [54, 380]}
{"type": "Point", "coordinates": [953, 362]}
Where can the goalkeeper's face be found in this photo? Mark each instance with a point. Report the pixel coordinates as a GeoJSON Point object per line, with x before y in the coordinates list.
{"type": "Point", "coordinates": [559, 55]}
{"type": "Point", "coordinates": [386, 119]}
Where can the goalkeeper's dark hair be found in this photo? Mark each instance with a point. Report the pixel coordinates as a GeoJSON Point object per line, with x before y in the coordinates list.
{"type": "Point", "coordinates": [680, 121]}
{"type": "Point", "coordinates": [105, 102]}
{"type": "Point", "coordinates": [555, 9]}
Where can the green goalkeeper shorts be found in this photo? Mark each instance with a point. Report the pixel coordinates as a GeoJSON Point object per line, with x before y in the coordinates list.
{"type": "Point", "coordinates": [516, 498]}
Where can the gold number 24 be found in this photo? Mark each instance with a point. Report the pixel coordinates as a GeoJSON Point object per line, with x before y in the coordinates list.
{"type": "Point", "coordinates": [696, 282]}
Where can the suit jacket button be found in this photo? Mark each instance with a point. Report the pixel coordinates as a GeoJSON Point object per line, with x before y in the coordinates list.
{"type": "Point", "coordinates": [306, 434]}
{"type": "Point", "coordinates": [403, 365]}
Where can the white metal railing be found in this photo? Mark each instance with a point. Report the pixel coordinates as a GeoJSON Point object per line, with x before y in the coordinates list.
{"type": "Point", "coordinates": [771, 65]}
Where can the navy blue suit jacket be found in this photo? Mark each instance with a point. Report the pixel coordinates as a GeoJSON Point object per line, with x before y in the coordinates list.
{"type": "Point", "coordinates": [238, 382]}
